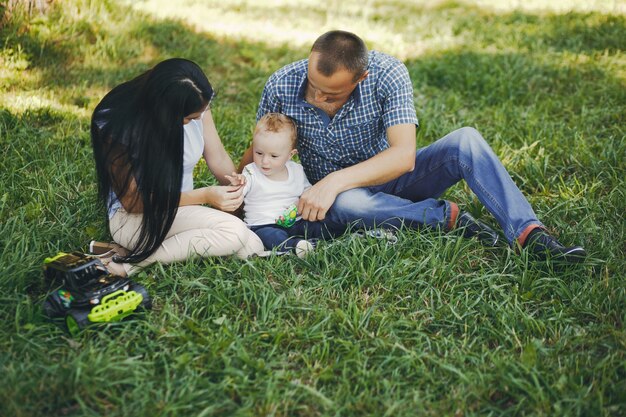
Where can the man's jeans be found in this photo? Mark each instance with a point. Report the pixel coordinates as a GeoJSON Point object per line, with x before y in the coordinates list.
{"type": "Point", "coordinates": [411, 199]}
{"type": "Point", "coordinates": [286, 238]}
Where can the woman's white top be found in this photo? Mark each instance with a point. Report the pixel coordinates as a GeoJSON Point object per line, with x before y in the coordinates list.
{"type": "Point", "coordinates": [265, 200]}
{"type": "Point", "coordinates": [192, 152]}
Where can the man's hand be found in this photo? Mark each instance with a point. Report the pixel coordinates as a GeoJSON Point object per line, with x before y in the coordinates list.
{"type": "Point", "coordinates": [315, 202]}
{"type": "Point", "coordinates": [224, 197]}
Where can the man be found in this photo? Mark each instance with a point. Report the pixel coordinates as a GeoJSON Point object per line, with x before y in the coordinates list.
{"type": "Point", "coordinates": [356, 139]}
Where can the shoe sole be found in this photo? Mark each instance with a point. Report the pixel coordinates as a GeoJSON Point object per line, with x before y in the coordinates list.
{"type": "Point", "coordinates": [572, 256]}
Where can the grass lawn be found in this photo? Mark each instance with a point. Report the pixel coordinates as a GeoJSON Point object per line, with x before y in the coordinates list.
{"type": "Point", "coordinates": [434, 326]}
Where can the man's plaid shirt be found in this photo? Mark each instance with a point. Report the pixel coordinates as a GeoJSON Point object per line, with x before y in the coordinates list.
{"type": "Point", "coordinates": [358, 130]}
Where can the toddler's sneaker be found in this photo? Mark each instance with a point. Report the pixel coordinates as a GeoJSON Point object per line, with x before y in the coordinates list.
{"type": "Point", "coordinates": [302, 248]}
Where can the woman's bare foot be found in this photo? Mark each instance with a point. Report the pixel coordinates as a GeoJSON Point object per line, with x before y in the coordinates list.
{"type": "Point", "coordinates": [114, 267]}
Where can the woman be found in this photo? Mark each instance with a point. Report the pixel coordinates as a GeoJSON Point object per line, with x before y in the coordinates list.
{"type": "Point", "coordinates": [147, 136]}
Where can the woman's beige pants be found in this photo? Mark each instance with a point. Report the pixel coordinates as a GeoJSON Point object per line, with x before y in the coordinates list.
{"type": "Point", "coordinates": [196, 231]}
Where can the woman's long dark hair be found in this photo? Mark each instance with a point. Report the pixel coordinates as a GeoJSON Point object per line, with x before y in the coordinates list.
{"type": "Point", "coordinates": [137, 137]}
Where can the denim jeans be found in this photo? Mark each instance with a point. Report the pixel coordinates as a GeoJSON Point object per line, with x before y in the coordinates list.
{"type": "Point", "coordinates": [286, 238]}
{"type": "Point", "coordinates": [411, 199]}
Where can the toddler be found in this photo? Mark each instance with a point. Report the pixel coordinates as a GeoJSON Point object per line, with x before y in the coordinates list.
{"type": "Point", "coordinates": [272, 185]}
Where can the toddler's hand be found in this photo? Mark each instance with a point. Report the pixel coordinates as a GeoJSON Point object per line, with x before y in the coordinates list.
{"type": "Point", "coordinates": [236, 179]}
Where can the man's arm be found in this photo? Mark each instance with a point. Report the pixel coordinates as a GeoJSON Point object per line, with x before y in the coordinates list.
{"type": "Point", "coordinates": [393, 162]}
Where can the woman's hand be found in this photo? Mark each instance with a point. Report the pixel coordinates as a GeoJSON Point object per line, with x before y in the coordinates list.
{"type": "Point", "coordinates": [224, 197]}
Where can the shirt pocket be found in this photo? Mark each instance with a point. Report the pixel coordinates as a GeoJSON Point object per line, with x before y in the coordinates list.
{"type": "Point", "coordinates": [307, 122]}
{"type": "Point", "coordinates": [362, 141]}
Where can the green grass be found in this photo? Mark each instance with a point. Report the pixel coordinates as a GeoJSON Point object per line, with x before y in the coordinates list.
{"type": "Point", "coordinates": [434, 326]}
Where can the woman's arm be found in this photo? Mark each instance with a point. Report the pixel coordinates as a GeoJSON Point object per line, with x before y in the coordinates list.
{"type": "Point", "coordinates": [122, 180]}
{"type": "Point", "coordinates": [225, 197]}
{"type": "Point", "coordinates": [217, 159]}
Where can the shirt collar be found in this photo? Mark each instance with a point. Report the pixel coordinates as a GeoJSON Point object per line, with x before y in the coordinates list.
{"type": "Point", "coordinates": [356, 94]}
{"type": "Point", "coordinates": [301, 98]}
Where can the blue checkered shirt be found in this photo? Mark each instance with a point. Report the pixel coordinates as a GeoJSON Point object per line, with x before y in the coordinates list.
{"type": "Point", "coordinates": [358, 131]}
